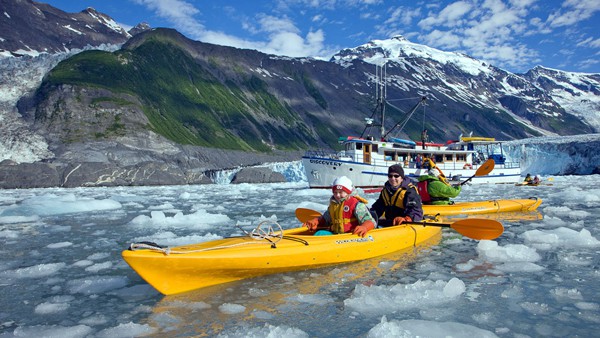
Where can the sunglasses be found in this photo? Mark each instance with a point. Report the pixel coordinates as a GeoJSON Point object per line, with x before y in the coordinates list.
{"type": "Point", "coordinates": [394, 175]}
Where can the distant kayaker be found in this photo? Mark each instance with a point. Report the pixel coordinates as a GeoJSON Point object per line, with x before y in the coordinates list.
{"type": "Point", "coordinates": [536, 180]}
{"type": "Point", "coordinates": [398, 201]}
{"type": "Point", "coordinates": [435, 189]}
{"type": "Point", "coordinates": [528, 179]}
{"type": "Point", "coordinates": [347, 212]}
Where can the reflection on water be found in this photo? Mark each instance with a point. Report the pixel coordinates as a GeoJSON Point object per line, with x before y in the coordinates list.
{"type": "Point", "coordinates": [499, 216]}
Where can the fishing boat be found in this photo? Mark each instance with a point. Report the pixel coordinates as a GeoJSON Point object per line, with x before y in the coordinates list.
{"type": "Point", "coordinates": [484, 207]}
{"type": "Point", "coordinates": [365, 159]}
{"type": "Point", "coordinates": [268, 249]}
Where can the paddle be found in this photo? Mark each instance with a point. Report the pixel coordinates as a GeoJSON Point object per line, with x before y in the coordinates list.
{"type": "Point", "coordinates": [483, 170]}
{"type": "Point", "coordinates": [304, 214]}
{"type": "Point", "coordinates": [475, 228]}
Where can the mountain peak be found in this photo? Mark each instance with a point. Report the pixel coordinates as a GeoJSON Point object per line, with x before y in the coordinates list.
{"type": "Point", "coordinates": [399, 38]}
{"type": "Point", "coordinates": [31, 28]}
{"type": "Point", "coordinates": [401, 50]}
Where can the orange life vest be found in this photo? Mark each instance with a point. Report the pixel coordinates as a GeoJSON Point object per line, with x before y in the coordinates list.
{"type": "Point", "coordinates": [342, 215]}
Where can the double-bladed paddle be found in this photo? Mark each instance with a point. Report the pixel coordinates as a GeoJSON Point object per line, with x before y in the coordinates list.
{"type": "Point", "coordinates": [475, 228]}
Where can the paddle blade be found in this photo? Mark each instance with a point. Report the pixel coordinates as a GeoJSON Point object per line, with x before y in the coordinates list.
{"type": "Point", "coordinates": [485, 168]}
{"type": "Point", "coordinates": [303, 214]}
{"type": "Point", "coordinates": [478, 228]}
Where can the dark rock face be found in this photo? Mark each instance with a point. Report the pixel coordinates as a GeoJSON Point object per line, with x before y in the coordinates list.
{"type": "Point", "coordinates": [257, 175]}
{"type": "Point", "coordinates": [29, 175]}
{"type": "Point", "coordinates": [105, 164]}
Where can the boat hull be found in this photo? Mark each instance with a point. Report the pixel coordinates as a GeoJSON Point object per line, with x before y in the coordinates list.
{"type": "Point", "coordinates": [201, 265]}
{"type": "Point", "coordinates": [484, 207]}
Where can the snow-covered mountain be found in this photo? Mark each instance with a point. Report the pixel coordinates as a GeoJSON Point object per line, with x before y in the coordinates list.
{"type": "Point", "coordinates": [529, 97]}
{"type": "Point", "coordinates": [31, 28]}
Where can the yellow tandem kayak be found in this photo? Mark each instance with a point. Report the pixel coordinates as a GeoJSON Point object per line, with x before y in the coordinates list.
{"type": "Point", "coordinates": [483, 207]}
{"type": "Point", "coordinates": [185, 268]}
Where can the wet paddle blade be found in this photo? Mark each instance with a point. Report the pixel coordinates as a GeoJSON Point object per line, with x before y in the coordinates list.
{"type": "Point", "coordinates": [478, 228]}
{"type": "Point", "coordinates": [303, 214]}
{"type": "Point", "coordinates": [485, 168]}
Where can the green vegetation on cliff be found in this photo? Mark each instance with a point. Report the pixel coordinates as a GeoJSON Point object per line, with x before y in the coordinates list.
{"type": "Point", "coordinates": [184, 101]}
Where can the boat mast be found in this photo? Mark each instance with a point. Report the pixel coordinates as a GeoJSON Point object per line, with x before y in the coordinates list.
{"type": "Point", "coordinates": [380, 95]}
{"type": "Point", "coordinates": [381, 82]}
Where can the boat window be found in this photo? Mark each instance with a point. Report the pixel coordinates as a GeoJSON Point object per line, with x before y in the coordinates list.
{"type": "Point", "coordinates": [439, 158]}
{"type": "Point", "coordinates": [448, 157]}
{"type": "Point", "coordinates": [375, 148]}
{"type": "Point", "coordinates": [390, 156]}
{"type": "Point", "coordinates": [461, 157]}
{"type": "Point", "coordinates": [359, 146]}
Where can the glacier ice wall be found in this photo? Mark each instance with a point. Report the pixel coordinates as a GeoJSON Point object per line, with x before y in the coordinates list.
{"type": "Point", "coordinates": [557, 155]}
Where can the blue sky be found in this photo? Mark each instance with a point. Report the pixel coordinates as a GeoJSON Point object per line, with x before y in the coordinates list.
{"type": "Point", "coordinates": [515, 35]}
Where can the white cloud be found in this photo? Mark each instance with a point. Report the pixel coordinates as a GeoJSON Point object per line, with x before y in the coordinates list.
{"type": "Point", "coordinates": [179, 12]}
{"type": "Point", "coordinates": [282, 35]}
{"type": "Point", "coordinates": [573, 11]}
{"type": "Point", "coordinates": [450, 16]}
{"type": "Point", "coordinates": [589, 42]}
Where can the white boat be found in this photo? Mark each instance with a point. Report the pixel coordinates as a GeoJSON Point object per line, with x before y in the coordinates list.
{"type": "Point", "coordinates": [366, 160]}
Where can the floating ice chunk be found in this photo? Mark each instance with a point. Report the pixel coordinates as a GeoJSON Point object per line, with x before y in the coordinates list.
{"type": "Point", "coordinates": [99, 266]}
{"type": "Point", "coordinates": [36, 271]}
{"type": "Point", "coordinates": [230, 309]}
{"type": "Point", "coordinates": [168, 238]}
{"type": "Point", "coordinates": [519, 267]}
{"type": "Point", "coordinates": [312, 299]}
{"type": "Point", "coordinates": [49, 308]}
{"type": "Point", "coordinates": [18, 219]}
{"type": "Point", "coordinates": [53, 331]}
{"type": "Point", "coordinates": [59, 245]}
{"type": "Point", "coordinates": [96, 284]}
{"type": "Point", "coordinates": [126, 330]}
{"type": "Point", "coordinates": [561, 237]}
{"type": "Point", "coordinates": [199, 219]}
{"type": "Point", "coordinates": [492, 252]}
{"type": "Point", "coordinates": [422, 294]}
{"type": "Point", "coordinates": [9, 234]}
{"type": "Point", "coordinates": [266, 331]}
{"type": "Point", "coordinates": [413, 328]}
{"type": "Point", "coordinates": [52, 204]}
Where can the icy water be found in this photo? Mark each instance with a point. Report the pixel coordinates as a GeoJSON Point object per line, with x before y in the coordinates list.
{"type": "Point", "coordinates": [61, 273]}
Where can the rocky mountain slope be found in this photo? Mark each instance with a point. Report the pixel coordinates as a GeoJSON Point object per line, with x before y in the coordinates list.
{"type": "Point", "coordinates": [36, 27]}
{"type": "Point", "coordinates": [163, 109]}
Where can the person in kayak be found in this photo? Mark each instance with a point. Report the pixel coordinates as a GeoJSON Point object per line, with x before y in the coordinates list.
{"type": "Point", "coordinates": [347, 212]}
{"type": "Point", "coordinates": [435, 189]}
{"type": "Point", "coordinates": [528, 179]}
{"type": "Point", "coordinates": [399, 200]}
{"type": "Point", "coordinates": [536, 180]}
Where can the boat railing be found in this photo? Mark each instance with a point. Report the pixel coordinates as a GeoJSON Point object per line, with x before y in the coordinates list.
{"type": "Point", "coordinates": [325, 153]}
{"type": "Point", "coordinates": [510, 165]}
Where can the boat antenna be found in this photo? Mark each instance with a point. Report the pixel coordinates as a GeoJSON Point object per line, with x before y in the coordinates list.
{"type": "Point", "coordinates": [380, 96]}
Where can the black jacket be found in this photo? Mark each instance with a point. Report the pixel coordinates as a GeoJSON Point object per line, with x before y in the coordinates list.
{"type": "Point", "coordinates": [411, 204]}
